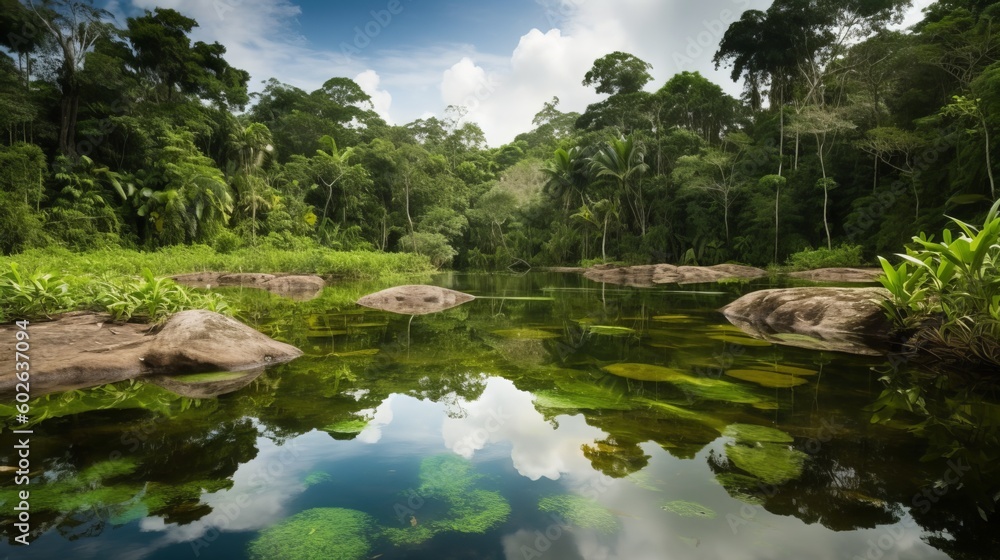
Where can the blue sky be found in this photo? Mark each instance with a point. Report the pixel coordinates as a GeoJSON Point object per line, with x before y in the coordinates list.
{"type": "Point", "coordinates": [502, 60]}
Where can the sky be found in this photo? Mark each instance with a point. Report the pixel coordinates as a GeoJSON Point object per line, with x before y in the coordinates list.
{"type": "Point", "coordinates": [501, 60]}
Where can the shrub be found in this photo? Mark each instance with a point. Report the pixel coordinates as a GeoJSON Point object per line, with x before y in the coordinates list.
{"type": "Point", "coordinates": [954, 286]}
{"type": "Point", "coordinates": [27, 296]}
{"type": "Point", "coordinates": [841, 256]}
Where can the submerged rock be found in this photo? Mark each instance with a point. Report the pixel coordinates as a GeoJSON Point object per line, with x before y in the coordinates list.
{"type": "Point", "coordinates": [415, 299]}
{"type": "Point", "coordinates": [293, 286]}
{"type": "Point", "coordinates": [652, 274]}
{"type": "Point", "coordinates": [835, 319]}
{"type": "Point", "coordinates": [86, 349]}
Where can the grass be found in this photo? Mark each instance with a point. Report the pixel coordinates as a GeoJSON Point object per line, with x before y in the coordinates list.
{"type": "Point", "coordinates": [179, 259]}
{"type": "Point", "coordinates": [131, 284]}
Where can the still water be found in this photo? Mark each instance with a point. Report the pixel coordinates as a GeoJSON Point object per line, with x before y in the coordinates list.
{"type": "Point", "coordinates": [551, 418]}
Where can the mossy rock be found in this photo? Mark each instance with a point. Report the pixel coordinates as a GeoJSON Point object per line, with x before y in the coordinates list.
{"type": "Point", "coordinates": [581, 512]}
{"type": "Point", "coordinates": [767, 378]}
{"type": "Point", "coordinates": [689, 509]}
{"type": "Point", "coordinates": [752, 433]}
{"type": "Point", "coordinates": [526, 334]}
{"type": "Point", "coordinates": [772, 463]}
{"type": "Point", "coordinates": [334, 533]}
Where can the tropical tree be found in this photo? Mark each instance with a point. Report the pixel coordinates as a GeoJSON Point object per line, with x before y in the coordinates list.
{"type": "Point", "coordinates": [621, 163]}
{"type": "Point", "coordinates": [74, 28]}
{"type": "Point", "coordinates": [716, 172]}
{"type": "Point", "coordinates": [251, 146]}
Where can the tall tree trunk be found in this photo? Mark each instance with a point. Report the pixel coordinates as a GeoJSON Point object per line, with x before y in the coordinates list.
{"type": "Point", "coordinates": [413, 237]}
{"type": "Point", "coordinates": [604, 239]}
{"type": "Point", "coordinates": [777, 201]}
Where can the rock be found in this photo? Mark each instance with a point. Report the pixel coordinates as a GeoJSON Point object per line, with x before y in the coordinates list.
{"type": "Point", "coordinates": [199, 341]}
{"type": "Point", "coordinates": [415, 299]}
{"type": "Point", "coordinates": [297, 288]}
{"type": "Point", "coordinates": [85, 350]}
{"type": "Point", "coordinates": [206, 386]}
{"type": "Point", "coordinates": [846, 275]}
{"type": "Point", "coordinates": [836, 319]}
{"type": "Point", "coordinates": [292, 286]}
{"type": "Point", "coordinates": [652, 274]}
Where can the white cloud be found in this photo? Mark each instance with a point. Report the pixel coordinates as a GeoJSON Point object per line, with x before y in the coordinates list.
{"type": "Point", "coordinates": [505, 414]}
{"type": "Point", "coordinates": [370, 81]}
{"type": "Point", "coordinates": [261, 37]}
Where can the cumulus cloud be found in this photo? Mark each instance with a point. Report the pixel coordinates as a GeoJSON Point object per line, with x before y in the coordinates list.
{"type": "Point", "coordinates": [370, 83]}
{"type": "Point", "coordinates": [260, 37]}
{"type": "Point", "coordinates": [506, 414]}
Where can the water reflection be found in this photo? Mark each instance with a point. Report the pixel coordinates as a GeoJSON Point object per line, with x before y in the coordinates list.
{"type": "Point", "coordinates": [539, 417]}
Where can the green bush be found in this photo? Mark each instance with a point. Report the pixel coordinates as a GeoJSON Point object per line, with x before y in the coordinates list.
{"type": "Point", "coordinates": [226, 242]}
{"type": "Point", "coordinates": [841, 256]}
{"type": "Point", "coordinates": [949, 291]}
{"type": "Point", "coordinates": [27, 296]}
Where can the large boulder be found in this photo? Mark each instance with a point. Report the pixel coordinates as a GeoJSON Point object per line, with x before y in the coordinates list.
{"type": "Point", "coordinates": [835, 319]}
{"type": "Point", "coordinates": [199, 341]}
{"type": "Point", "coordinates": [653, 274]}
{"type": "Point", "coordinates": [415, 299]}
{"type": "Point", "coordinates": [85, 350]}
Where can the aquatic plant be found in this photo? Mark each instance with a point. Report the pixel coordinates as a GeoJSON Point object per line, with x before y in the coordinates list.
{"type": "Point", "coordinates": [608, 330]}
{"type": "Point", "coordinates": [689, 509]}
{"type": "Point", "coordinates": [703, 387]}
{"type": "Point", "coordinates": [526, 334]}
{"type": "Point", "coordinates": [581, 512]}
{"type": "Point", "coordinates": [767, 378]}
{"type": "Point", "coordinates": [770, 462]}
{"type": "Point", "coordinates": [349, 426]}
{"type": "Point", "coordinates": [741, 487]}
{"type": "Point", "coordinates": [317, 477]}
{"type": "Point", "coordinates": [334, 533]}
{"type": "Point", "coordinates": [450, 479]}
{"type": "Point", "coordinates": [752, 433]}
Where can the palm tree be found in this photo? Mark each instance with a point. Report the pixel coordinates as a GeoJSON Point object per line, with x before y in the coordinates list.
{"type": "Point", "coordinates": [564, 177]}
{"type": "Point", "coordinates": [621, 162]}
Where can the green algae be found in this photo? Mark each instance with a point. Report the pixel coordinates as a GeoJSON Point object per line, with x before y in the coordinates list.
{"type": "Point", "coordinates": [451, 480]}
{"type": "Point", "coordinates": [752, 433]}
{"type": "Point", "coordinates": [607, 330]}
{"type": "Point", "coordinates": [740, 340]}
{"type": "Point", "coordinates": [703, 387]}
{"type": "Point", "coordinates": [581, 512]}
{"type": "Point", "coordinates": [772, 463]}
{"type": "Point", "coordinates": [689, 509]}
{"type": "Point", "coordinates": [351, 426]}
{"type": "Point", "coordinates": [767, 378]}
{"type": "Point", "coordinates": [526, 334]}
{"type": "Point", "coordinates": [317, 533]}
{"type": "Point", "coordinates": [318, 477]}
{"type": "Point", "coordinates": [644, 372]}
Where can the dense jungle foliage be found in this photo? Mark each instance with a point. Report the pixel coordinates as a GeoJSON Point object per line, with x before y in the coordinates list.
{"type": "Point", "coordinates": [848, 134]}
